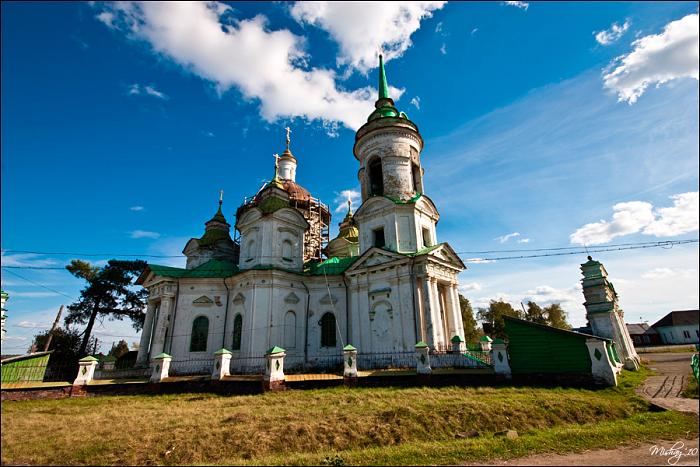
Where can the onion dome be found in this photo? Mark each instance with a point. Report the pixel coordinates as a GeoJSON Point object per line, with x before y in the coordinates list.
{"type": "Point", "coordinates": [347, 243]}
{"type": "Point", "coordinates": [216, 228]}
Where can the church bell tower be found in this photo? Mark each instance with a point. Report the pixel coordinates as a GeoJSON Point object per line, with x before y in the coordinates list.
{"type": "Point", "coordinates": [395, 213]}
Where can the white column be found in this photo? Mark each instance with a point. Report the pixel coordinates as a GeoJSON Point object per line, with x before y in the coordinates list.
{"type": "Point", "coordinates": [449, 312]}
{"type": "Point", "coordinates": [436, 310]}
{"type": "Point", "coordinates": [161, 325]}
{"type": "Point", "coordinates": [142, 357]}
{"type": "Point", "coordinates": [428, 312]}
{"type": "Point", "coordinates": [457, 311]}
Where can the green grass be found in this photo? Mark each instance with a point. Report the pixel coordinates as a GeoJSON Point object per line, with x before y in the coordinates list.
{"type": "Point", "coordinates": [356, 426]}
{"type": "Point", "coordinates": [691, 391]}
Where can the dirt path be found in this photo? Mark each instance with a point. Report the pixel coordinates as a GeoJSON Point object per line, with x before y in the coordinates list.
{"type": "Point", "coordinates": [664, 389]}
{"type": "Point", "coordinates": [684, 452]}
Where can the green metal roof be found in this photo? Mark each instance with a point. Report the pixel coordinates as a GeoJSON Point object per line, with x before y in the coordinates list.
{"type": "Point", "coordinates": [274, 350]}
{"type": "Point", "coordinates": [212, 268]}
{"type": "Point", "coordinates": [383, 86]}
{"type": "Point", "coordinates": [331, 266]}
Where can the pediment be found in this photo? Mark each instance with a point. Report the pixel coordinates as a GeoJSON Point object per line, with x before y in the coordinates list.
{"type": "Point", "coordinates": [373, 257]}
{"type": "Point", "coordinates": [239, 299]}
{"type": "Point", "coordinates": [203, 301]}
{"type": "Point", "coordinates": [328, 300]}
{"type": "Point", "coordinates": [291, 298]}
{"type": "Point", "coordinates": [445, 254]}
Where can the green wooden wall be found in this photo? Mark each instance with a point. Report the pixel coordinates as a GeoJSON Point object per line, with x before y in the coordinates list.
{"type": "Point", "coordinates": [25, 369]}
{"type": "Point", "coordinates": [534, 348]}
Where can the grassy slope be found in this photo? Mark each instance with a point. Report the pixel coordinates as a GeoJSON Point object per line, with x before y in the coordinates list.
{"type": "Point", "coordinates": [387, 425]}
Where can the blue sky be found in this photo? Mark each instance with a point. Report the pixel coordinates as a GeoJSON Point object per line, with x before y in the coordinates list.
{"type": "Point", "coordinates": [563, 123]}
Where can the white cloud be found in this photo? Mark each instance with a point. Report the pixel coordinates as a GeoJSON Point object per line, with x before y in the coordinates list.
{"type": "Point", "coordinates": [341, 200]}
{"type": "Point", "coordinates": [609, 36]}
{"type": "Point", "coordinates": [143, 234]}
{"type": "Point", "coordinates": [33, 294]}
{"type": "Point", "coordinates": [443, 49]}
{"type": "Point", "coordinates": [474, 31]}
{"type": "Point", "coordinates": [505, 238]}
{"type": "Point", "coordinates": [136, 208]}
{"type": "Point", "coordinates": [26, 260]}
{"type": "Point", "coordinates": [479, 260]}
{"type": "Point", "coordinates": [137, 90]}
{"type": "Point", "coordinates": [264, 64]}
{"type": "Point", "coordinates": [416, 102]}
{"type": "Point", "coordinates": [470, 287]}
{"type": "Point", "coordinates": [32, 325]}
{"type": "Point", "coordinates": [521, 5]}
{"type": "Point", "coordinates": [361, 28]}
{"type": "Point", "coordinates": [677, 220]}
{"type": "Point", "coordinates": [438, 28]}
{"type": "Point", "coordinates": [663, 273]}
{"type": "Point", "coordinates": [639, 216]}
{"type": "Point", "coordinates": [656, 58]}
{"type": "Point", "coordinates": [523, 240]}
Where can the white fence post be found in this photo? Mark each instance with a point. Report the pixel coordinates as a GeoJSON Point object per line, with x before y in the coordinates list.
{"type": "Point", "coordinates": [274, 369]}
{"type": "Point", "coordinates": [349, 363]}
{"type": "Point", "coordinates": [422, 359]}
{"type": "Point", "coordinates": [86, 370]}
{"type": "Point", "coordinates": [160, 367]}
{"type": "Point", "coordinates": [602, 368]}
{"type": "Point", "coordinates": [222, 361]}
{"type": "Point", "coordinates": [499, 358]}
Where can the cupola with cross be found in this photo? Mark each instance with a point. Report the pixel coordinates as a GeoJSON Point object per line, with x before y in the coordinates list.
{"type": "Point", "coordinates": [216, 243]}
{"type": "Point", "coordinates": [395, 213]}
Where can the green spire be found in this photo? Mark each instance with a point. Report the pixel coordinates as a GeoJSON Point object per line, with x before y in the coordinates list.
{"type": "Point", "coordinates": [383, 86]}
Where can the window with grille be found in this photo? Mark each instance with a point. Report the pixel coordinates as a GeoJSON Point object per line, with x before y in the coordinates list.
{"type": "Point", "coordinates": [200, 332]}
{"type": "Point", "coordinates": [328, 330]}
{"type": "Point", "coordinates": [237, 330]}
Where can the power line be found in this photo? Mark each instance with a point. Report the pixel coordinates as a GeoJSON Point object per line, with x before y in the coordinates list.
{"type": "Point", "coordinates": [556, 252]}
{"type": "Point", "coordinates": [659, 243]}
{"type": "Point", "coordinates": [36, 283]}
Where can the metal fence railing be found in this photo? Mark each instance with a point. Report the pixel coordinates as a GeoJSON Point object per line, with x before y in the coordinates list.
{"type": "Point", "coordinates": [694, 366]}
{"type": "Point", "coordinates": [122, 373]}
{"type": "Point", "coordinates": [192, 367]}
{"type": "Point", "coordinates": [466, 359]}
{"type": "Point", "coordinates": [388, 360]}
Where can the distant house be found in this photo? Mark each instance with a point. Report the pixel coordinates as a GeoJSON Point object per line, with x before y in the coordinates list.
{"type": "Point", "coordinates": [642, 334]}
{"type": "Point", "coordinates": [679, 327]}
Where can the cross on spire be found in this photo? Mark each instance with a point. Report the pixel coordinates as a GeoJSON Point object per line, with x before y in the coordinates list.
{"type": "Point", "coordinates": [289, 130]}
{"type": "Point", "coordinates": [221, 197]}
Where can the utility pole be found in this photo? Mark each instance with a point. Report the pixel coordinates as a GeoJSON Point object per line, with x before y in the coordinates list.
{"type": "Point", "coordinates": [94, 350]}
{"type": "Point", "coordinates": [53, 328]}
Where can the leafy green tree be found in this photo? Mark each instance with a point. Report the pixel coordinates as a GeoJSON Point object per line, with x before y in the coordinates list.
{"type": "Point", "coordinates": [493, 317]}
{"type": "Point", "coordinates": [119, 349]}
{"type": "Point", "coordinates": [108, 294]}
{"type": "Point", "coordinates": [471, 333]}
{"type": "Point", "coordinates": [556, 316]}
{"type": "Point", "coordinates": [535, 313]}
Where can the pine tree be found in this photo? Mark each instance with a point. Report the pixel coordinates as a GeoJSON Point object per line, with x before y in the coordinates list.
{"type": "Point", "coordinates": [108, 294]}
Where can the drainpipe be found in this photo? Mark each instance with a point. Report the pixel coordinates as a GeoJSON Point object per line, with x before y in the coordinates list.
{"type": "Point", "coordinates": [306, 324]}
{"type": "Point", "coordinates": [347, 311]}
{"type": "Point", "coordinates": [413, 294]}
{"type": "Point", "coordinates": [172, 333]}
{"type": "Point", "coordinates": [228, 298]}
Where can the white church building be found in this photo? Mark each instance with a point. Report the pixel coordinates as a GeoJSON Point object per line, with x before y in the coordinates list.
{"type": "Point", "coordinates": [382, 285]}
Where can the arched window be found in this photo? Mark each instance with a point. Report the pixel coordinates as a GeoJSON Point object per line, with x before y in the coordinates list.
{"type": "Point", "coordinates": [290, 330]}
{"type": "Point", "coordinates": [417, 185]}
{"type": "Point", "coordinates": [287, 249]}
{"type": "Point", "coordinates": [328, 330]}
{"type": "Point", "coordinates": [376, 178]}
{"type": "Point", "coordinates": [237, 330]}
{"type": "Point", "coordinates": [200, 332]}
